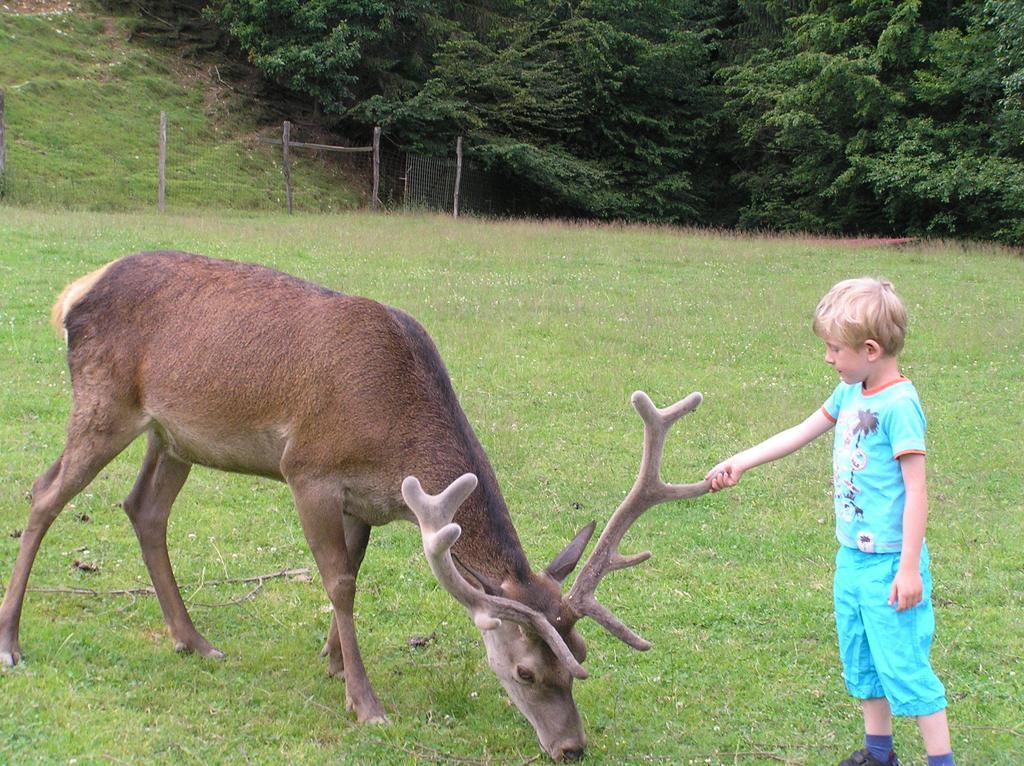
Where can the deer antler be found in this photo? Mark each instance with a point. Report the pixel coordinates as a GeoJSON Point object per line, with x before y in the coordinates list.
{"type": "Point", "coordinates": [434, 514]}
{"type": "Point", "coordinates": [648, 490]}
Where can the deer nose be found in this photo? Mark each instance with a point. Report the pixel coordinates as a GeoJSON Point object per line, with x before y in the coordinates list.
{"type": "Point", "coordinates": [572, 755]}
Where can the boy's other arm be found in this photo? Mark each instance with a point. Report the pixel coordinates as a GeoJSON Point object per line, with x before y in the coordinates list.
{"type": "Point", "coordinates": [728, 472]}
{"type": "Point", "coordinates": [907, 589]}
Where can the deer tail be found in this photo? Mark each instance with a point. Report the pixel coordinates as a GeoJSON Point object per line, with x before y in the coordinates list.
{"type": "Point", "coordinates": [71, 295]}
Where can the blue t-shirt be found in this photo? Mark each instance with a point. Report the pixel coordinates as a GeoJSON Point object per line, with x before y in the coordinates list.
{"type": "Point", "coordinates": [873, 430]}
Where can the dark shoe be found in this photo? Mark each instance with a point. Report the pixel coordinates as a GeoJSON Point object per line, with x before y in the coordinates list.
{"type": "Point", "coordinates": [863, 757]}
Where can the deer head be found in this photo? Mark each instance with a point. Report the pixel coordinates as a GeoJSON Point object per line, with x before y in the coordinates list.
{"type": "Point", "coordinates": [529, 630]}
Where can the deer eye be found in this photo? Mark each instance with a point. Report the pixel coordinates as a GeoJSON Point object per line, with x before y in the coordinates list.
{"type": "Point", "coordinates": [525, 674]}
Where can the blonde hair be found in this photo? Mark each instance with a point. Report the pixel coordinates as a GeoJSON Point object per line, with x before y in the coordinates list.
{"type": "Point", "coordinates": [858, 310]}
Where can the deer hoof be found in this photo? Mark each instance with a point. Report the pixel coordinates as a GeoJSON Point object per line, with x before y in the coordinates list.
{"type": "Point", "coordinates": [372, 714]}
{"type": "Point", "coordinates": [203, 649]}
{"type": "Point", "coordinates": [336, 668]}
{"type": "Point", "coordinates": [375, 717]}
{"type": "Point", "coordinates": [10, 651]}
{"type": "Point", "coordinates": [335, 660]}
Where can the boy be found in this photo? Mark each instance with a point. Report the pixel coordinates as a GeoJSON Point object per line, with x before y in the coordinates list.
{"type": "Point", "coordinates": [882, 585]}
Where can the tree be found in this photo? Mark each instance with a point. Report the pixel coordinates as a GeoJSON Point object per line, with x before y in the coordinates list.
{"type": "Point", "coordinates": [600, 108]}
{"type": "Point", "coordinates": [876, 117]}
{"type": "Point", "coordinates": [336, 52]}
{"type": "Point", "coordinates": [1007, 18]}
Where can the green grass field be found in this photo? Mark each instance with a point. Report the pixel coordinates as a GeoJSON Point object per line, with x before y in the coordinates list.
{"type": "Point", "coordinates": [546, 330]}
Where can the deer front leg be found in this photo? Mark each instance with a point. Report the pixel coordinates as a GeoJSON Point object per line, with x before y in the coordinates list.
{"type": "Point", "coordinates": [320, 512]}
{"type": "Point", "coordinates": [357, 535]}
{"type": "Point", "coordinates": [148, 506]}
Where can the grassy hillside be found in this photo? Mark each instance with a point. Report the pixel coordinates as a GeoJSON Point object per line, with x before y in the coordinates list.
{"type": "Point", "coordinates": [546, 330]}
{"type": "Point", "coordinates": [83, 105]}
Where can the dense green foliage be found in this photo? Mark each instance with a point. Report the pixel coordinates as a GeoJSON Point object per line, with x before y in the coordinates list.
{"type": "Point", "coordinates": [879, 116]}
{"type": "Point", "coordinates": [898, 117]}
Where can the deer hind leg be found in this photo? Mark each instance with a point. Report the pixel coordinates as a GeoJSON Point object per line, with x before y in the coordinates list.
{"type": "Point", "coordinates": [357, 535]}
{"type": "Point", "coordinates": [148, 507]}
{"type": "Point", "coordinates": [320, 511]}
{"type": "Point", "coordinates": [95, 437]}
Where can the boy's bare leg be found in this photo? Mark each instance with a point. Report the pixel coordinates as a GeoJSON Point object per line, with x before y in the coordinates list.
{"type": "Point", "coordinates": [935, 733]}
{"type": "Point", "coordinates": [878, 717]}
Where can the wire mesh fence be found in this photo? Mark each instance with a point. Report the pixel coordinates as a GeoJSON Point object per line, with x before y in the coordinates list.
{"type": "Point", "coordinates": [413, 182]}
{"type": "Point", "coordinates": [197, 171]}
{"type": "Point", "coordinates": [246, 172]}
{"type": "Point", "coordinates": [206, 166]}
{"type": "Point", "coordinates": [45, 164]}
{"type": "Point", "coordinates": [90, 166]}
{"type": "Point", "coordinates": [233, 173]}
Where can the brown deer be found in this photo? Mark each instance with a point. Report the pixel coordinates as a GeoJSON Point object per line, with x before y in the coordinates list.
{"type": "Point", "coordinates": [246, 369]}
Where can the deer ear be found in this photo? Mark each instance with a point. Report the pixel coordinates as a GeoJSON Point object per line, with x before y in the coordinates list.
{"type": "Point", "coordinates": [566, 561]}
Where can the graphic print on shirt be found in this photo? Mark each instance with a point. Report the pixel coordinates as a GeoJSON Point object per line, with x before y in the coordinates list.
{"type": "Point", "coordinates": [850, 459]}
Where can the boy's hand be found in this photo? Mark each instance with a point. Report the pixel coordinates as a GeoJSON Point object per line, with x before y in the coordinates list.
{"type": "Point", "coordinates": [725, 474]}
{"type": "Point", "coordinates": [907, 590]}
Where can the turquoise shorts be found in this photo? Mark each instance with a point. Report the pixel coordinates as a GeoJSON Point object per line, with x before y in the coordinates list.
{"type": "Point", "coordinates": [885, 652]}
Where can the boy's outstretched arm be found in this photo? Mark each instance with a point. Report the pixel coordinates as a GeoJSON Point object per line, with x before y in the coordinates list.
{"type": "Point", "coordinates": [728, 472]}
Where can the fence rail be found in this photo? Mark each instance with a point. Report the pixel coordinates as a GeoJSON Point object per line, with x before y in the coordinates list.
{"type": "Point", "coordinates": [322, 147]}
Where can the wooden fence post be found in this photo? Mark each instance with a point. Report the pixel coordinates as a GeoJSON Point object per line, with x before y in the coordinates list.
{"type": "Point", "coordinates": [458, 175]}
{"type": "Point", "coordinates": [286, 137]}
{"type": "Point", "coordinates": [161, 193]}
{"type": "Point", "coordinates": [405, 183]}
{"type": "Point", "coordinates": [3, 144]}
{"type": "Point", "coordinates": [375, 199]}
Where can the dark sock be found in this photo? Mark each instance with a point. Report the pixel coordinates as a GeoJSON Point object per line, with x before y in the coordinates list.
{"type": "Point", "coordinates": [880, 746]}
{"type": "Point", "coordinates": [941, 760]}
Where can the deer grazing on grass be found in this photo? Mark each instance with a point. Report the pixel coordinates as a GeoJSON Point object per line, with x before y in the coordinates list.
{"type": "Point", "coordinates": [245, 369]}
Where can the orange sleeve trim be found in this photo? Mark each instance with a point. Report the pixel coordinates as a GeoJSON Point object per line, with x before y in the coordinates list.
{"type": "Point", "coordinates": [827, 415]}
{"type": "Point", "coordinates": [909, 452]}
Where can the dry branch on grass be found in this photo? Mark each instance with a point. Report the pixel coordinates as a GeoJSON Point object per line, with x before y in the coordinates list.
{"type": "Point", "coordinates": [149, 591]}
